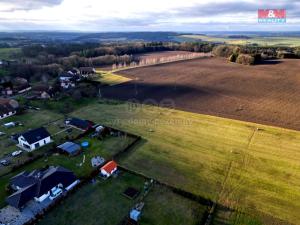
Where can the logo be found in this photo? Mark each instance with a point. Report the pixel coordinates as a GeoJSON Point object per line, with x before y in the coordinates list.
{"type": "Point", "coordinates": [272, 16]}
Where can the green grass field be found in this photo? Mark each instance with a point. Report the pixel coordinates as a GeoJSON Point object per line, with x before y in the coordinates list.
{"type": "Point", "coordinates": [253, 171]}
{"type": "Point", "coordinates": [103, 203]}
{"type": "Point", "coordinates": [8, 53]}
{"type": "Point", "coordinates": [30, 120]}
{"type": "Point", "coordinates": [262, 41]}
{"type": "Point", "coordinates": [163, 207]}
{"type": "Point", "coordinates": [109, 78]}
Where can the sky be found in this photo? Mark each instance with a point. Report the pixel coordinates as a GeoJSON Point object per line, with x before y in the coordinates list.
{"type": "Point", "coordinates": [144, 15]}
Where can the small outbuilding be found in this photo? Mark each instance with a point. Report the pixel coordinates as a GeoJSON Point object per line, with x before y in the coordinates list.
{"type": "Point", "coordinates": [70, 148]}
{"type": "Point", "coordinates": [109, 169]}
{"type": "Point", "coordinates": [97, 161]}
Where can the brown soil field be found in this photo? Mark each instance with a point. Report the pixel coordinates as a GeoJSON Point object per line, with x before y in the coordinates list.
{"type": "Point", "coordinates": [268, 93]}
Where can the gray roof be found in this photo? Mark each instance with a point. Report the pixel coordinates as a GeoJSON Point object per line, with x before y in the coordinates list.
{"type": "Point", "coordinates": [37, 183]}
{"type": "Point", "coordinates": [70, 147]}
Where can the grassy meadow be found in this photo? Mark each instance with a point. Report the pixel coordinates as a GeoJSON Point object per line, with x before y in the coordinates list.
{"type": "Point", "coordinates": [8, 53]}
{"type": "Point", "coordinates": [103, 203]}
{"type": "Point", "coordinates": [250, 168]}
{"type": "Point", "coordinates": [262, 41]}
{"type": "Point", "coordinates": [109, 78]}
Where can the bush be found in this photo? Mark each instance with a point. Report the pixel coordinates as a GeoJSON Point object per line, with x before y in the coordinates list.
{"type": "Point", "coordinates": [245, 59]}
{"type": "Point", "coordinates": [223, 50]}
{"type": "Point", "coordinates": [286, 55]}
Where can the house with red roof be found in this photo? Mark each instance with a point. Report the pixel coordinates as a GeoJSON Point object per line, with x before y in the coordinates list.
{"type": "Point", "coordinates": [108, 169]}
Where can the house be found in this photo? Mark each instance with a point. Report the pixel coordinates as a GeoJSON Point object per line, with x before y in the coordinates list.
{"type": "Point", "coordinates": [83, 125]}
{"type": "Point", "coordinates": [70, 148]}
{"type": "Point", "coordinates": [17, 85]}
{"type": "Point", "coordinates": [74, 71]}
{"type": "Point", "coordinates": [20, 85]}
{"type": "Point", "coordinates": [39, 184]}
{"type": "Point", "coordinates": [43, 92]}
{"type": "Point", "coordinates": [34, 139]}
{"type": "Point", "coordinates": [67, 80]}
{"type": "Point", "coordinates": [108, 169]}
{"type": "Point", "coordinates": [6, 88]}
{"type": "Point", "coordinates": [8, 107]}
{"type": "Point", "coordinates": [84, 71]}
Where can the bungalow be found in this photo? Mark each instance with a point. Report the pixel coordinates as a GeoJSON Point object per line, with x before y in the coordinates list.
{"type": "Point", "coordinates": [67, 80]}
{"type": "Point", "coordinates": [43, 92]}
{"type": "Point", "coordinates": [34, 139]}
{"type": "Point", "coordinates": [83, 125]}
{"type": "Point", "coordinates": [108, 169]}
{"type": "Point", "coordinates": [39, 185]}
{"type": "Point", "coordinates": [8, 107]}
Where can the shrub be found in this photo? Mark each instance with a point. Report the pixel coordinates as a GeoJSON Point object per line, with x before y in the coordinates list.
{"type": "Point", "coordinates": [223, 50]}
{"type": "Point", "coordinates": [245, 59]}
{"type": "Point", "coordinates": [286, 55]}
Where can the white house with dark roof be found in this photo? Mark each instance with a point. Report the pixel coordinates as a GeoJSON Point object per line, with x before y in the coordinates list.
{"type": "Point", "coordinates": [34, 139]}
{"type": "Point", "coordinates": [8, 107]}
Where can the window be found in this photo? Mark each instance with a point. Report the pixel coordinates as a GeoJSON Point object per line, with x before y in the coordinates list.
{"type": "Point", "coordinates": [36, 145]}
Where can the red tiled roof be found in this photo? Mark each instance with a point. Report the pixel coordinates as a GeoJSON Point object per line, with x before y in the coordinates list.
{"type": "Point", "coordinates": [109, 167]}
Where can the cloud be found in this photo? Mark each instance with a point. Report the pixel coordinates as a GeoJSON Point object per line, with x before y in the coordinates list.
{"type": "Point", "coordinates": [15, 5]}
{"type": "Point", "coordinates": [144, 15]}
{"type": "Point", "coordinates": [234, 7]}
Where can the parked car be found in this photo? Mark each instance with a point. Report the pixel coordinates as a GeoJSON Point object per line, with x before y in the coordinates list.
{"type": "Point", "coordinates": [55, 192]}
{"type": "Point", "coordinates": [16, 153]}
{"type": "Point", "coordinates": [2, 133]}
{"type": "Point", "coordinates": [4, 162]}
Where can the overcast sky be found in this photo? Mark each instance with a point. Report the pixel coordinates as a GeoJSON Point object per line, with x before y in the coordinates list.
{"type": "Point", "coordinates": [144, 15]}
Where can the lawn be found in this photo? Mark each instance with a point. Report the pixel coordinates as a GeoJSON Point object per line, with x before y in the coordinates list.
{"type": "Point", "coordinates": [164, 207]}
{"type": "Point", "coordinates": [105, 148]}
{"type": "Point", "coordinates": [103, 203]}
{"type": "Point", "coordinates": [64, 105]}
{"type": "Point", "coordinates": [30, 119]}
{"type": "Point", "coordinates": [109, 78]}
{"type": "Point", "coordinates": [3, 72]}
{"type": "Point", "coordinates": [8, 53]}
{"type": "Point", "coordinates": [262, 41]}
{"type": "Point", "coordinates": [253, 171]}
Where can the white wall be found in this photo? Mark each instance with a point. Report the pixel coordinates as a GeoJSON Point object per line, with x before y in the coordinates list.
{"type": "Point", "coordinates": [32, 146]}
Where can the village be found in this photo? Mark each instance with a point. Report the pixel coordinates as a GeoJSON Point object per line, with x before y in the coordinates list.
{"type": "Point", "coordinates": [34, 191]}
{"type": "Point", "coordinates": [47, 156]}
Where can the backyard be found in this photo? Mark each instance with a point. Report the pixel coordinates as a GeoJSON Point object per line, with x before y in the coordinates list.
{"type": "Point", "coordinates": [103, 203]}
{"type": "Point", "coordinates": [31, 119]}
{"type": "Point", "coordinates": [80, 164]}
